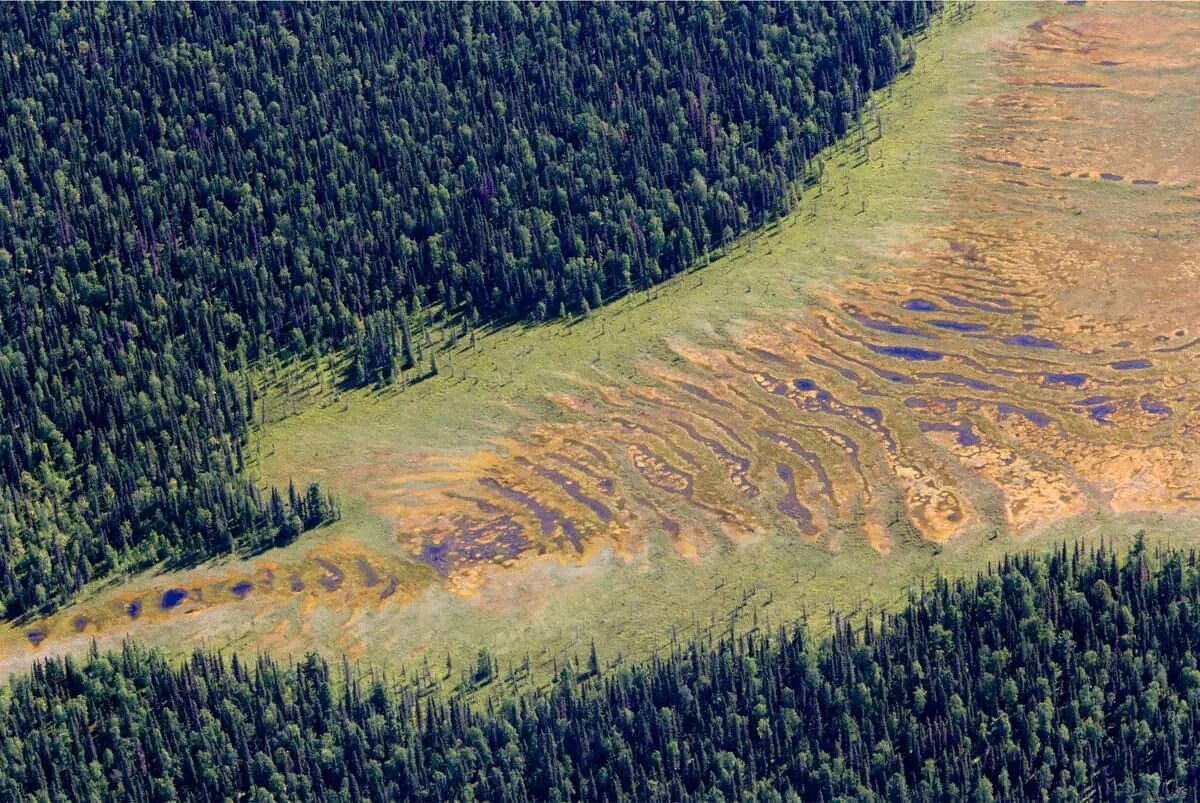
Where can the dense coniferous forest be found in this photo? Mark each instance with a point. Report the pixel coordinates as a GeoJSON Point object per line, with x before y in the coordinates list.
{"type": "Point", "coordinates": [1064, 677]}
{"type": "Point", "coordinates": [186, 190]}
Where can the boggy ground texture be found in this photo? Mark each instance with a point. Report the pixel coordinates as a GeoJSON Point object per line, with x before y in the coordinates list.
{"type": "Point", "coordinates": [1012, 347]}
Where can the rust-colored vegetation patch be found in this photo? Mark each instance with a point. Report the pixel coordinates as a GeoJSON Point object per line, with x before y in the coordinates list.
{"type": "Point", "coordinates": [338, 571]}
{"type": "Point", "coordinates": [1005, 358]}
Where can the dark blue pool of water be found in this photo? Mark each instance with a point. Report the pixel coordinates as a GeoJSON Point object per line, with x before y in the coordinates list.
{"type": "Point", "coordinates": [919, 305]}
{"type": "Point", "coordinates": [439, 556]}
{"type": "Point", "coordinates": [804, 384]}
{"type": "Point", "coordinates": [1130, 365]}
{"type": "Point", "coordinates": [908, 353]}
{"type": "Point", "coordinates": [891, 376]}
{"type": "Point", "coordinates": [242, 589]}
{"type": "Point", "coordinates": [1071, 380]}
{"type": "Point", "coordinates": [963, 429]}
{"type": "Point", "coordinates": [885, 326]}
{"type": "Point", "coordinates": [873, 413]}
{"type": "Point", "coordinates": [959, 326]}
{"type": "Point", "coordinates": [1030, 342]}
{"type": "Point", "coordinates": [1154, 407]}
{"type": "Point", "coordinates": [965, 381]}
{"type": "Point", "coordinates": [899, 379]}
{"type": "Point", "coordinates": [172, 597]}
{"type": "Point", "coordinates": [1101, 413]}
{"type": "Point", "coordinates": [134, 610]}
